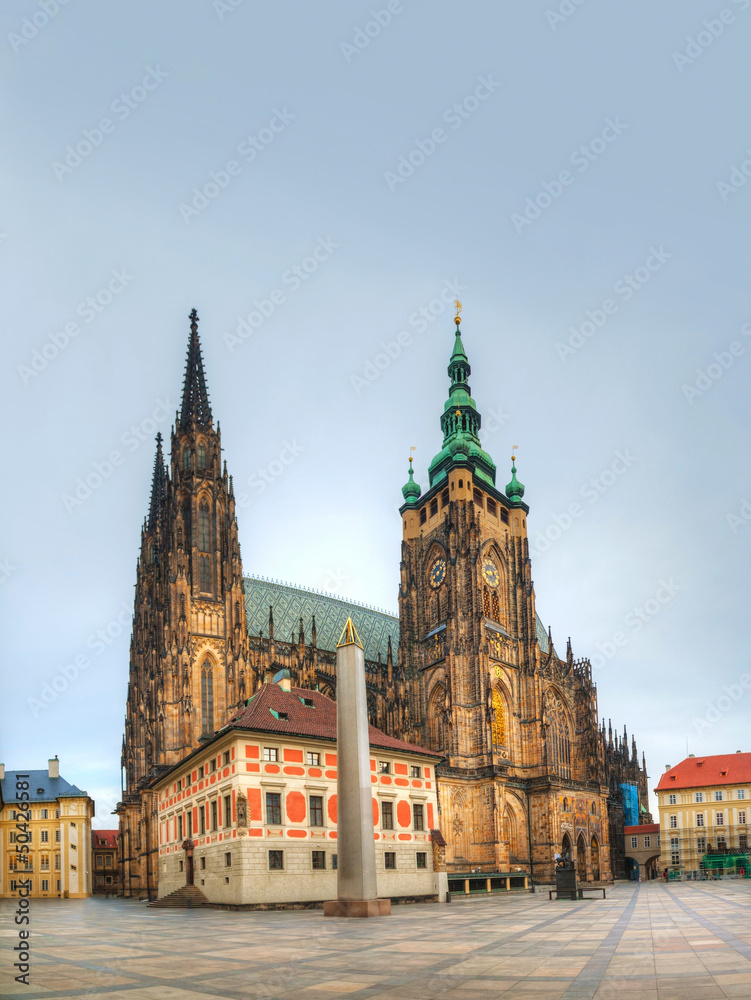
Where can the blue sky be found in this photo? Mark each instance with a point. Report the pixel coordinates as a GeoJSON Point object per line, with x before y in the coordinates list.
{"type": "Point", "coordinates": [577, 169]}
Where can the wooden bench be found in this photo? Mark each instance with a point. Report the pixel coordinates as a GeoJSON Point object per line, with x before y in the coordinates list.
{"type": "Point", "coordinates": [580, 890]}
{"type": "Point", "coordinates": [592, 888]}
{"type": "Point", "coordinates": [564, 894]}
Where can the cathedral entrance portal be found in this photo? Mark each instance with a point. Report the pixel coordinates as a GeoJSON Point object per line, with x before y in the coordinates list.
{"type": "Point", "coordinates": [581, 858]}
{"type": "Point", "coordinates": [595, 859]}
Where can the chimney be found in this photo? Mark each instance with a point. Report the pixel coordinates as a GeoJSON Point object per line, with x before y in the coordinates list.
{"type": "Point", "coordinates": [2, 772]}
{"type": "Point", "coordinates": [53, 767]}
{"type": "Point", "coordinates": [667, 767]}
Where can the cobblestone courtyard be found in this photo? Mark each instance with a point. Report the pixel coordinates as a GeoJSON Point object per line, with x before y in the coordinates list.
{"type": "Point", "coordinates": [683, 942]}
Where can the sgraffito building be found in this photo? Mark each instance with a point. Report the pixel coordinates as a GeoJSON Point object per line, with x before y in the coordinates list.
{"type": "Point", "coordinates": [467, 669]}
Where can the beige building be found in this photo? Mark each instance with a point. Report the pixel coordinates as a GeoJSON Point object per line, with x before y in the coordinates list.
{"type": "Point", "coordinates": [705, 806]}
{"type": "Point", "coordinates": [257, 807]}
{"type": "Point", "coordinates": [642, 851]}
{"type": "Point", "coordinates": [45, 834]}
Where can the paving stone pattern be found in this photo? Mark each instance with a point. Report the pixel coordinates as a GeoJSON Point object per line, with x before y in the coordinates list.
{"type": "Point", "coordinates": [684, 941]}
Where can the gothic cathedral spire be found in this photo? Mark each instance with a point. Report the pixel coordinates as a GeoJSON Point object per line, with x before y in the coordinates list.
{"type": "Point", "coordinates": [190, 662]}
{"type": "Point", "coordinates": [195, 405]}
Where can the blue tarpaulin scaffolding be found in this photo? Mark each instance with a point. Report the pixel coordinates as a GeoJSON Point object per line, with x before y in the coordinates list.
{"type": "Point", "coordinates": [630, 805]}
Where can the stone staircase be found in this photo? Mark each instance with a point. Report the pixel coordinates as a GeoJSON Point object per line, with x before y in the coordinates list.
{"type": "Point", "coordinates": [187, 897]}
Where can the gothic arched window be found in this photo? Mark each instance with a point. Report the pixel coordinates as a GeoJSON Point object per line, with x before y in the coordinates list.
{"type": "Point", "coordinates": [207, 699]}
{"type": "Point", "coordinates": [201, 455]}
{"type": "Point", "coordinates": [436, 719]}
{"type": "Point", "coordinates": [499, 719]}
{"type": "Point", "coordinates": [203, 527]}
{"type": "Point", "coordinates": [496, 608]}
{"type": "Point", "coordinates": [486, 602]}
{"type": "Point", "coordinates": [204, 580]}
{"type": "Point", "coordinates": [186, 458]}
{"type": "Point", "coordinates": [559, 739]}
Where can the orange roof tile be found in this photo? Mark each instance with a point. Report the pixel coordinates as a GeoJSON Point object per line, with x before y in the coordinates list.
{"type": "Point", "coordinates": [274, 710]}
{"type": "Point", "coordinates": [699, 772]}
{"type": "Point", "coordinates": [104, 838]}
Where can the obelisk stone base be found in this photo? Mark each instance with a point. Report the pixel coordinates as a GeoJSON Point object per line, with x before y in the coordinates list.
{"type": "Point", "coordinates": [357, 908]}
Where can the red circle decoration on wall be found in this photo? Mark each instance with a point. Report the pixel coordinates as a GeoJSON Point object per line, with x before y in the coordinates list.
{"type": "Point", "coordinates": [403, 813]}
{"type": "Point", "coordinates": [295, 807]}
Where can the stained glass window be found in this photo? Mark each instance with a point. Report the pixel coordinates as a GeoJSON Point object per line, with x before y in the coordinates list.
{"type": "Point", "coordinates": [559, 740]}
{"type": "Point", "coordinates": [499, 719]}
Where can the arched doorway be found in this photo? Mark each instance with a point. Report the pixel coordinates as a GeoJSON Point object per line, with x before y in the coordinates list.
{"type": "Point", "coordinates": [566, 848]}
{"type": "Point", "coordinates": [595, 849]}
{"type": "Point", "coordinates": [581, 858]}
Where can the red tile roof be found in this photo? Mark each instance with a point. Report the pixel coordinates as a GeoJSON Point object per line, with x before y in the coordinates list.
{"type": "Point", "coordinates": [104, 838]}
{"type": "Point", "coordinates": [645, 828]}
{"type": "Point", "coordinates": [316, 720]}
{"type": "Point", "coordinates": [699, 772]}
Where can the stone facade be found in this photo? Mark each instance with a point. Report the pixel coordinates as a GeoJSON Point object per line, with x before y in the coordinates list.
{"type": "Point", "coordinates": [471, 671]}
{"type": "Point", "coordinates": [190, 651]}
{"type": "Point", "coordinates": [705, 810]}
{"type": "Point", "coordinates": [526, 771]}
{"type": "Point", "coordinates": [45, 835]}
{"type": "Point", "coordinates": [261, 808]}
{"type": "Point", "coordinates": [105, 869]}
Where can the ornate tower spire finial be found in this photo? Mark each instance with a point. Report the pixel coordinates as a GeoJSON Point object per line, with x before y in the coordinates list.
{"type": "Point", "coordinates": [461, 421]}
{"type": "Point", "coordinates": [411, 490]}
{"type": "Point", "coordinates": [195, 403]}
{"type": "Point", "coordinates": [515, 489]}
{"type": "Point", "coordinates": [158, 501]}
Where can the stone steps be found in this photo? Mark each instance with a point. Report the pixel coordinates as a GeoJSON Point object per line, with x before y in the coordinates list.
{"type": "Point", "coordinates": [188, 897]}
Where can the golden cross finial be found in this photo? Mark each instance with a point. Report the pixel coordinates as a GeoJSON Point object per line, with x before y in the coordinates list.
{"type": "Point", "coordinates": [514, 448]}
{"type": "Point", "coordinates": [457, 318]}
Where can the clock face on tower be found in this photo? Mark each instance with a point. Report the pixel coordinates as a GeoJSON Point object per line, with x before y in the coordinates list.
{"type": "Point", "coordinates": [490, 573]}
{"type": "Point", "coordinates": [437, 573]}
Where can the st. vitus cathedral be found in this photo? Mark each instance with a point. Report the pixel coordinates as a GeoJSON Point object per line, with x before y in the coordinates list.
{"type": "Point", "coordinates": [467, 669]}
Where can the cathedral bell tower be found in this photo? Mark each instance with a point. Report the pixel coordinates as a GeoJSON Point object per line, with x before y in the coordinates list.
{"type": "Point", "coordinates": [466, 587]}
{"type": "Point", "coordinates": [190, 654]}
{"type": "Point", "coordinates": [468, 623]}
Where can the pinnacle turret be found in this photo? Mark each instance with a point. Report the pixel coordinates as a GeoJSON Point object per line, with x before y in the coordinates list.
{"type": "Point", "coordinates": [411, 490]}
{"type": "Point", "coordinates": [158, 487]}
{"type": "Point", "coordinates": [195, 404]}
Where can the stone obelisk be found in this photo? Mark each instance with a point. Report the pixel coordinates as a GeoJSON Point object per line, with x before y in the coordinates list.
{"type": "Point", "coordinates": [357, 889]}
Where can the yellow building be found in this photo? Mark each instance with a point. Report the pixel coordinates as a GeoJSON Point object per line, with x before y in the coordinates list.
{"type": "Point", "coordinates": [705, 806]}
{"type": "Point", "coordinates": [45, 835]}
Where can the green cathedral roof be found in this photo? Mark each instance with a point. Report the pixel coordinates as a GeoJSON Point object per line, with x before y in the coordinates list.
{"type": "Point", "coordinates": [460, 423]}
{"type": "Point", "coordinates": [291, 603]}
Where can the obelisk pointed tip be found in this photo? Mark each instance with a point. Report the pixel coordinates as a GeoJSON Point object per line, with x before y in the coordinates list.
{"type": "Point", "coordinates": [349, 636]}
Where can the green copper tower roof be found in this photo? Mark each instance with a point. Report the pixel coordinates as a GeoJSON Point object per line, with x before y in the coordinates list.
{"type": "Point", "coordinates": [515, 489]}
{"type": "Point", "coordinates": [460, 423]}
{"type": "Point", "coordinates": [411, 490]}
